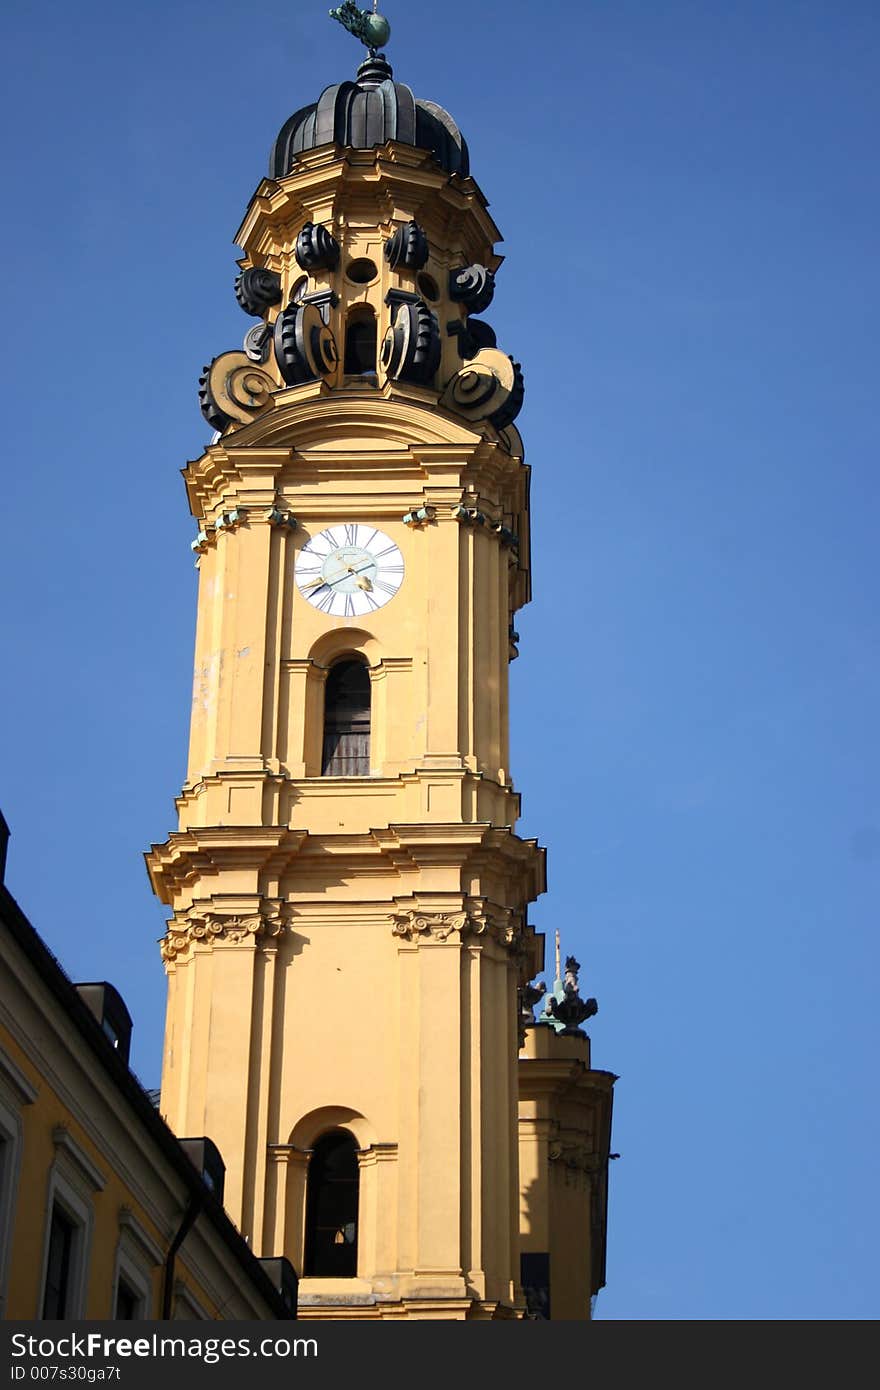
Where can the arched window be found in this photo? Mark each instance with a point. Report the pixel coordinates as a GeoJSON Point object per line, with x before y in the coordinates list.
{"type": "Point", "coordinates": [332, 1207]}
{"type": "Point", "coordinates": [360, 342]}
{"type": "Point", "coordinates": [346, 750]}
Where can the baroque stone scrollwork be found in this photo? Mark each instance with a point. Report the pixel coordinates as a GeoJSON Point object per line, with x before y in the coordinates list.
{"type": "Point", "coordinates": [503, 927]}
{"type": "Point", "coordinates": [407, 247]}
{"type": "Point", "coordinates": [472, 335]}
{"type": "Point", "coordinates": [575, 1158]}
{"type": "Point", "coordinates": [233, 389]}
{"type": "Point", "coordinates": [473, 286]}
{"type": "Point", "coordinates": [432, 926]}
{"type": "Point", "coordinates": [316, 248]}
{"type": "Point", "coordinates": [304, 346]}
{"type": "Point", "coordinates": [489, 387]}
{"type": "Point", "coordinates": [257, 290]}
{"type": "Point", "coordinates": [209, 927]}
{"type": "Point", "coordinates": [411, 346]}
{"type": "Point", "coordinates": [258, 342]}
{"type": "Point", "coordinates": [528, 996]}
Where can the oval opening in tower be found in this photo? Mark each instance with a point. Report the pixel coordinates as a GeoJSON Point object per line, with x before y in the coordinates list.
{"type": "Point", "coordinates": [299, 289]}
{"type": "Point", "coordinates": [427, 287]}
{"type": "Point", "coordinates": [360, 342]}
{"type": "Point", "coordinates": [362, 271]}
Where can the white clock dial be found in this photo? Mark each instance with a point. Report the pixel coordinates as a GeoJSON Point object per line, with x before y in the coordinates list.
{"type": "Point", "coordinates": [350, 570]}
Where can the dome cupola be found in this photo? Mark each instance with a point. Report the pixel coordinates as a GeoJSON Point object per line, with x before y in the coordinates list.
{"type": "Point", "coordinates": [368, 112]}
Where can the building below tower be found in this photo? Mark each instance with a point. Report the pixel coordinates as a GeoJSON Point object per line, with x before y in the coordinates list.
{"type": "Point", "coordinates": [103, 1212]}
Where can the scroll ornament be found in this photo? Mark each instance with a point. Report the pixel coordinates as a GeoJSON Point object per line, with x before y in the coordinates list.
{"type": "Point", "coordinates": [527, 996]}
{"type": "Point", "coordinates": [212, 927]}
{"type": "Point", "coordinates": [473, 335]}
{"type": "Point", "coordinates": [577, 1158]}
{"type": "Point", "coordinates": [316, 248]}
{"type": "Point", "coordinates": [488, 387]}
{"type": "Point", "coordinates": [234, 390]}
{"type": "Point", "coordinates": [439, 926]}
{"type": "Point", "coordinates": [408, 247]}
{"type": "Point", "coordinates": [411, 346]}
{"type": "Point", "coordinates": [258, 342]}
{"type": "Point", "coordinates": [305, 348]}
{"type": "Point", "coordinates": [257, 289]}
{"type": "Point", "coordinates": [474, 287]}
{"type": "Point", "coordinates": [433, 926]}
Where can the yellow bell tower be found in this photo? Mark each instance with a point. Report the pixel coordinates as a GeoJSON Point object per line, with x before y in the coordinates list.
{"type": "Point", "coordinates": [347, 887]}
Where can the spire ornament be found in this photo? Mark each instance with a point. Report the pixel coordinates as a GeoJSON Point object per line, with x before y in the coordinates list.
{"type": "Point", "coordinates": [371, 28]}
{"type": "Point", "coordinates": [564, 1008]}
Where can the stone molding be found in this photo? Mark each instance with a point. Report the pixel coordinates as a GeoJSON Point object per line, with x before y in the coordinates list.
{"type": "Point", "coordinates": [576, 1159]}
{"type": "Point", "coordinates": [65, 1143]}
{"type": "Point", "coordinates": [436, 928]}
{"type": "Point", "coordinates": [195, 927]}
{"type": "Point", "coordinates": [25, 1092]}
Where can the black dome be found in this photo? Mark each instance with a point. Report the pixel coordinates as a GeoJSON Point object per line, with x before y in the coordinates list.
{"type": "Point", "coordinates": [368, 112]}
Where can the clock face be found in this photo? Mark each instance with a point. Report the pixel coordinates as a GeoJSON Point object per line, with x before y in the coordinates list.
{"type": "Point", "coordinates": [349, 570]}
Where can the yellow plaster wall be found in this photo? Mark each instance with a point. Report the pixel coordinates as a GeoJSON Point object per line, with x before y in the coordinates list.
{"type": "Point", "coordinates": [31, 1211]}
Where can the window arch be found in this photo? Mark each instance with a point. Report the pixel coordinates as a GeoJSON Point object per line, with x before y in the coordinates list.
{"type": "Point", "coordinates": [346, 751]}
{"type": "Point", "coordinates": [332, 1207]}
{"type": "Point", "coordinates": [360, 342]}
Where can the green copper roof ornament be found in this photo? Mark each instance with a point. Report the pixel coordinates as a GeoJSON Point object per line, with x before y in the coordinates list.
{"type": "Point", "coordinates": [371, 28]}
{"type": "Point", "coordinates": [564, 1008]}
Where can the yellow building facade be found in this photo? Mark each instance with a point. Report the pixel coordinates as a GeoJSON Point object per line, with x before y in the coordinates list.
{"type": "Point", "coordinates": [348, 938]}
{"type": "Point", "coordinates": [103, 1213]}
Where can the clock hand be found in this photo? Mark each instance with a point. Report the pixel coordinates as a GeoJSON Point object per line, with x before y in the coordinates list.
{"type": "Point", "coordinates": [362, 583]}
{"type": "Point", "coordinates": [315, 583]}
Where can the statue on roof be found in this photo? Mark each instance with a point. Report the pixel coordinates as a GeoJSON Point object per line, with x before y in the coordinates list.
{"type": "Point", "coordinates": [564, 1008]}
{"type": "Point", "coordinates": [371, 28]}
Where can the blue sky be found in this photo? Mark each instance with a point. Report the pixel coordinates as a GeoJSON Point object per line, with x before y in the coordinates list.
{"type": "Point", "coordinates": [689, 197]}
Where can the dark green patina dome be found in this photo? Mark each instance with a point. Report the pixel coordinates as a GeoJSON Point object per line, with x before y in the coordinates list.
{"type": "Point", "coordinates": [368, 112]}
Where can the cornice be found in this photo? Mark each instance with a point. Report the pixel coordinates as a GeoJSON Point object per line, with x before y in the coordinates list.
{"type": "Point", "coordinates": [187, 855]}
{"type": "Point", "coordinates": [544, 1078]}
{"type": "Point", "coordinates": [389, 177]}
{"type": "Point", "coordinates": [208, 852]}
{"type": "Point", "coordinates": [316, 415]}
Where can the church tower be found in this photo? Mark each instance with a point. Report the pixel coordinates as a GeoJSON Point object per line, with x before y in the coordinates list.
{"type": "Point", "coordinates": [348, 890]}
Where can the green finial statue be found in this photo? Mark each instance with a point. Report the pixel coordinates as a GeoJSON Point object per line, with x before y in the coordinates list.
{"type": "Point", "coordinates": [372, 29]}
{"type": "Point", "coordinates": [565, 1008]}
